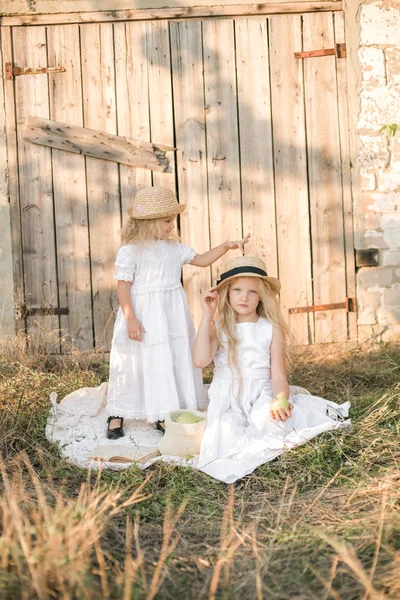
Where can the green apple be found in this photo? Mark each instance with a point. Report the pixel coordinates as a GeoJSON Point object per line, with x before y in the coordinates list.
{"type": "Point", "coordinates": [188, 417]}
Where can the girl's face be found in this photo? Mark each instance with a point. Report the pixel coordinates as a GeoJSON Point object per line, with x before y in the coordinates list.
{"type": "Point", "coordinates": [165, 226]}
{"type": "Point", "coordinates": [244, 298]}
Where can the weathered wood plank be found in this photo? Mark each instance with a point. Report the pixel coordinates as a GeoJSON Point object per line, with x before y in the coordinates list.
{"type": "Point", "coordinates": [256, 156]}
{"type": "Point", "coordinates": [160, 95]}
{"type": "Point", "coordinates": [36, 193]}
{"type": "Point", "coordinates": [54, 15]}
{"type": "Point", "coordinates": [343, 112]}
{"type": "Point", "coordinates": [290, 162]}
{"type": "Point", "coordinates": [69, 188]}
{"type": "Point", "coordinates": [323, 144]}
{"type": "Point", "coordinates": [96, 144]}
{"type": "Point", "coordinates": [13, 178]}
{"type": "Point", "coordinates": [132, 101]}
{"type": "Point", "coordinates": [102, 176]}
{"type": "Point", "coordinates": [223, 162]}
{"type": "Point", "coordinates": [188, 84]}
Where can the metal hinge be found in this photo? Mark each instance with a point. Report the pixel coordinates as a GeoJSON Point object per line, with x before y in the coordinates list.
{"type": "Point", "coordinates": [350, 305]}
{"type": "Point", "coordinates": [339, 51]}
{"type": "Point", "coordinates": [12, 71]}
{"type": "Point", "coordinates": [23, 311]}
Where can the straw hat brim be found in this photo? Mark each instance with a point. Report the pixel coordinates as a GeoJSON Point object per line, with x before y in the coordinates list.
{"type": "Point", "coordinates": [274, 283]}
{"type": "Point", "coordinates": [177, 210]}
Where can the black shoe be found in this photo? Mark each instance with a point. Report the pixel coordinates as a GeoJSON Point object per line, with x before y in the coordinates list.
{"type": "Point", "coordinates": [116, 432]}
{"type": "Point", "coordinates": [160, 427]}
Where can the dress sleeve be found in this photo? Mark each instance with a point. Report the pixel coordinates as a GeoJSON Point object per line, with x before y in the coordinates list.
{"type": "Point", "coordinates": [125, 263]}
{"type": "Point", "coordinates": [187, 254]}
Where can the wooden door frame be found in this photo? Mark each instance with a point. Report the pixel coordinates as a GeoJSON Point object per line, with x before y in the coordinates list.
{"type": "Point", "coordinates": [13, 272]}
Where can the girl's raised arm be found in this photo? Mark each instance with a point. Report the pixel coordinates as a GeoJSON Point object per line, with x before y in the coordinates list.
{"type": "Point", "coordinates": [209, 257]}
{"type": "Point", "coordinates": [206, 342]}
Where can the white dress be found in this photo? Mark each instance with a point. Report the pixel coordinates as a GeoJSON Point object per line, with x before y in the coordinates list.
{"type": "Point", "coordinates": [150, 378]}
{"type": "Point", "coordinates": [240, 435]}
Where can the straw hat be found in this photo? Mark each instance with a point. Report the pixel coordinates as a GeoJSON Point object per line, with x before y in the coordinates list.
{"type": "Point", "coordinates": [181, 439]}
{"type": "Point", "coordinates": [248, 266]}
{"type": "Point", "coordinates": [155, 203]}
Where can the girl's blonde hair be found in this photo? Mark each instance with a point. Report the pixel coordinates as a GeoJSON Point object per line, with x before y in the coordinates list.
{"type": "Point", "coordinates": [140, 230]}
{"type": "Point", "coordinates": [268, 308]}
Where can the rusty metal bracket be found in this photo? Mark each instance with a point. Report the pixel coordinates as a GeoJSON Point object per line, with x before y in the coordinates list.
{"type": "Point", "coordinates": [339, 51]}
{"type": "Point", "coordinates": [23, 311]}
{"type": "Point", "coordinates": [350, 305]}
{"type": "Point", "coordinates": [12, 71]}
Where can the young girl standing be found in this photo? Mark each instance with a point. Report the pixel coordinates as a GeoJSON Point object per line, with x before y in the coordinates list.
{"type": "Point", "coordinates": [151, 369]}
{"type": "Point", "coordinates": [253, 413]}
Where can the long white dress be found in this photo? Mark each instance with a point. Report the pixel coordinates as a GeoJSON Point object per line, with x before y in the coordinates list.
{"type": "Point", "coordinates": [150, 378]}
{"type": "Point", "coordinates": [240, 435]}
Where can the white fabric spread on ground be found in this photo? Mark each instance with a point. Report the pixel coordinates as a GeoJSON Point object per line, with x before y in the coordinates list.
{"type": "Point", "coordinates": [78, 424]}
{"type": "Point", "coordinates": [239, 436]}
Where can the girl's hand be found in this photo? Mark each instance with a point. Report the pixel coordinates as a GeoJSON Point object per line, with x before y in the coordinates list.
{"type": "Point", "coordinates": [135, 329]}
{"type": "Point", "coordinates": [209, 302]}
{"type": "Point", "coordinates": [239, 243]}
{"type": "Point", "coordinates": [281, 414]}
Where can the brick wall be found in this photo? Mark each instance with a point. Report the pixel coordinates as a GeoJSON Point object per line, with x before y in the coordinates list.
{"type": "Point", "coordinates": [378, 288]}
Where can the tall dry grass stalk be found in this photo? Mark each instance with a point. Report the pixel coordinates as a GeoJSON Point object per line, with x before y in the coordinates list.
{"type": "Point", "coordinates": [52, 541]}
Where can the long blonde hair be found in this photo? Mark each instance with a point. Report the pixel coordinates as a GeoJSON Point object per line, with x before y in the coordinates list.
{"type": "Point", "coordinates": [268, 308]}
{"type": "Point", "coordinates": [140, 230]}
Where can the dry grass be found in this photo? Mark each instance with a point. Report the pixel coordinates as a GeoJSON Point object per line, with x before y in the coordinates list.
{"type": "Point", "coordinates": [321, 522]}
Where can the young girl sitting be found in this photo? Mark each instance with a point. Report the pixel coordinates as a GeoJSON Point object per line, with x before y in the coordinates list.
{"type": "Point", "coordinates": [151, 369]}
{"type": "Point", "coordinates": [253, 413]}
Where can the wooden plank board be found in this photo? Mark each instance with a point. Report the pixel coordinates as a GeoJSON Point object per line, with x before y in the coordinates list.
{"type": "Point", "coordinates": [343, 112]}
{"type": "Point", "coordinates": [36, 193]}
{"type": "Point", "coordinates": [160, 95]}
{"type": "Point", "coordinates": [70, 200]}
{"type": "Point", "coordinates": [290, 163]}
{"type": "Point", "coordinates": [102, 176]}
{"type": "Point", "coordinates": [223, 162]}
{"type": "Point", "coordinates": [188, 84]}
{"type": "Point", "coordinates": [329, 281]}
{"type": "Point", "coordinates": [132, 101]}
{"type": "Point", "coordinates": [13, 178]}
{"type": "Point", "coordinates": [52, 11]}
{"type": "Point", "coordinates": [256, 156]}
{"type": "Point", "coordinates": [97, 144]}
{"type": "Point", "coordinates": [7, 300]}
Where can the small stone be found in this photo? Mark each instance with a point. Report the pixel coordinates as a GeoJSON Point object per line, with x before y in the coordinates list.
{"type": "Point", "coordinates": [379, 25]}
{"type": "Point", "coordinates": [374, 277]}
{"type": "Point", "coordinates": [373, 67]}
{"type": "Point", "coordinates": [393, 65]}
{"type": "Point", "coordinates": [391, 334]}
{"type": "Point", "coordinates": [367, 181]}
{"type": "Point", "coordinates": [389, 181]}
{"type": "Point", "coordinates": [375, 239]}
{"type": "Point", "coordinates": [367, 333]}
{"type": "Point", "coordinates": [367, 316]}
{"type": "Point", "coordinates": [391, 296]}
{"type": "Point", "coordinates": [390, 258]}
{"type": "Point", "coordinates": [383, 202]}
{"type": "Point", "coordinates": [389, 315]}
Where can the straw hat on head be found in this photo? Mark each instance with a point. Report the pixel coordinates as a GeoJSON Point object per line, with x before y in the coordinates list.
{"type": "Point", "coordinates": [182, 439]}
{"type": "Point", "coordinates": [155, 203]}
{"type": "Point", "coordinates": [247, 266]}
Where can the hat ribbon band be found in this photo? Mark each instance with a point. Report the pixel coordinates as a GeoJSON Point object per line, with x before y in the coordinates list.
{"type": "Point", "coordinates": [238, 270]}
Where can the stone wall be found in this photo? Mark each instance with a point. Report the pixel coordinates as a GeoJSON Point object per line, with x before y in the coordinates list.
{"type": "Point", "coordinates": [378, 288]}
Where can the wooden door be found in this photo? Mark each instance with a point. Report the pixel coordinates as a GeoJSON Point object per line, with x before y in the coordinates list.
{"type": "Point", "coordinates": [261, 141]}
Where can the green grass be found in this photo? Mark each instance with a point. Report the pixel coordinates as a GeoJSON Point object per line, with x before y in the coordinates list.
{"type": "Point", "coordinates": [321, 521]}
